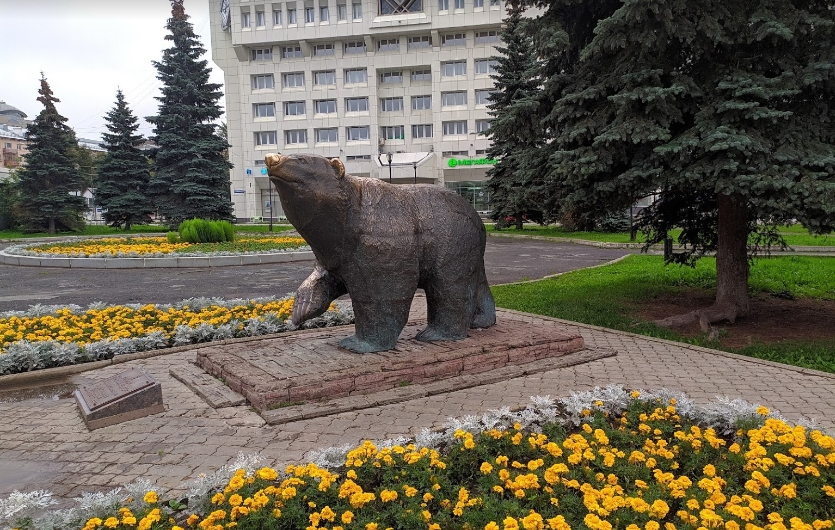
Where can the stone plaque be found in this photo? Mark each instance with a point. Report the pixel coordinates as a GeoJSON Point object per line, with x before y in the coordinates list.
{"type": "Point", "coordinates": [126, 396]}
{"type": "Point", "coordinates": [108, 390]}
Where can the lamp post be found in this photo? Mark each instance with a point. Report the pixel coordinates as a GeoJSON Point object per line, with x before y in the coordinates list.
{"type": "Point", "coordinates": [388, 157]}
{"type": "Point", "coordinates": [414, 165]}
{"type": "Point", "coordinates": [270, 184]}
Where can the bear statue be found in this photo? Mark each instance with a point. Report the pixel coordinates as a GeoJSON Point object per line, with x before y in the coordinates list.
{"type": "Point", "coordinates": [379, 243]}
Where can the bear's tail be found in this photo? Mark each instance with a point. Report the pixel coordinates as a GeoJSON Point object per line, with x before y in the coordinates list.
{"type": "Point", "coordinates": [484, 315]}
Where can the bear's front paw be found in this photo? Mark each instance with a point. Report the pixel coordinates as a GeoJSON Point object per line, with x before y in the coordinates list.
{"type": "Point", "coordinates": [431, 334]}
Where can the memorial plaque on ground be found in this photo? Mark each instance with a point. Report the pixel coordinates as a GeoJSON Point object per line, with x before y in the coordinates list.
{"type": "Point", "coordinates": [126, 396]}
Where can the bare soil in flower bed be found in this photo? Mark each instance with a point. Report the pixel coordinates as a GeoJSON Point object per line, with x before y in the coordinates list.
{"type": "Point", "coordinates": [772, 320]}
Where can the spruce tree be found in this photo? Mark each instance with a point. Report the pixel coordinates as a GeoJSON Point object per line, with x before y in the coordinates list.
{"type": "Point", "coordinates": [50, 184]}
{"type": "Point", "coordinates": [124, 173]}
{"type": "Point", "coordinates": [723, 108]}
{"type": "Point", "coordinates": [191, 174]}
{"type": "Point", "coordinates": [515, 125]}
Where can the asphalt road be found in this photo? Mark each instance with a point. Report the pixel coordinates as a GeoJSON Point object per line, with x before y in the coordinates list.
{"type": "Point", "coordinates": [506, 260]}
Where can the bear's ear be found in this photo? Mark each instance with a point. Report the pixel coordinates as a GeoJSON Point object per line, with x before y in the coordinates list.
{"type": "Point", "coordinates": [338, 166]}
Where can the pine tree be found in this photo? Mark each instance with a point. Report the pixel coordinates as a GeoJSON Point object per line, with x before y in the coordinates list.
{"type": "Point", "coordinates": [191, 174]}
{"type": "Point", "coordinates": [724, 108]}
{"type": "Point", "coordinates": [514, 127]}
{"type": "Point", "coordinates": [125, 171]}
{"type": "Point", "coordinates": [50, 184]}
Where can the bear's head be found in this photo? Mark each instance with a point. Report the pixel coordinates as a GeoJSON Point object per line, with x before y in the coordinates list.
{"type": "Point", "coordinates": [312, 188]}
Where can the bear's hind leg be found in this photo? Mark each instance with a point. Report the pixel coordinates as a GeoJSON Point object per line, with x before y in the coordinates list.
{"type": "Point", "coordinates": [484, 315]}
{"type": "Point", "coordinates": [378, 324]}
{"type": "Point", "coordinates": [448, 313]}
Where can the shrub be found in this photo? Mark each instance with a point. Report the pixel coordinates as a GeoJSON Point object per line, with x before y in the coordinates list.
{"type": "Point", "coordinates": [203, 231]}
{"type": "Point", "coordinates": [172, 237]}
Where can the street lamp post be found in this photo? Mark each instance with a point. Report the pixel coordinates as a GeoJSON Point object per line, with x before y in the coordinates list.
{"type": "Point", "coordinates": [270, 184]}
{"type": "Point", "coordinates": [414, 165]}
{"type": "Point", "coordinates": [388, 157]}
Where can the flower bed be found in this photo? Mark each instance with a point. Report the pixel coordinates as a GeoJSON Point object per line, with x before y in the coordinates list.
{"type": "Point", "coordinates": [601, 460]}
{"type": "Point", "coordinates": [47, 336]}
{"type": "Point", "coordinates": [151, 247]}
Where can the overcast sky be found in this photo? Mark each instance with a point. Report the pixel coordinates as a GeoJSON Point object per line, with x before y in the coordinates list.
{"type": "Point", "coordinates": [87, 49]}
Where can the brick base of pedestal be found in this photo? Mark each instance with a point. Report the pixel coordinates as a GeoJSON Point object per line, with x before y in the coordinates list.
{"type": "Point", "coordinates": [308, 366]}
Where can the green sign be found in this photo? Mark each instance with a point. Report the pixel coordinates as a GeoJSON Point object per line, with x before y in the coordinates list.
{"type": "Point", "coordinates": [455, 162]}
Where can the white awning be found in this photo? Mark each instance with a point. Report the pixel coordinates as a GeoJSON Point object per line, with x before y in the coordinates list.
{"type": "Point", "coordinates": [401, 159]}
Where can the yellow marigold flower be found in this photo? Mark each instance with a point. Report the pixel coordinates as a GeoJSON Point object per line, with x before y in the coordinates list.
{"type": "Point", "coordinates": [829, 490]}
{"type": "Point", "coordinates": [633, 526]}
{"type": "Point", "coordinates": [235, 500]}
{"type": "Point", "coordinates": [652, 525]}
{"type": "Point", "coordinates": [388, 495]}
{"type": "Point", "coordinates": [533, 522]}
{"type": "Point", "coordinates": [193, 518]}
{"type": "Point", "coordinates": [428, 497]}
{"type": "Point", "coordinates": [762, 411]}
{"type": "Point", "coordinates": [328, 514]}
{"type": "Point", "coordinates": [709, 470]}
{"type": "Point", "coordinates": [276, 513]}
{"type": "Point", "coordinates": [351, 474]}
{"type": "Point", "coordinates": [510, 523]}
{"type": "Point", "coordinates": [267, 473]}
{"type": "Point", "coordinates": [491, 526]}
{"type": "Point", "coordinates": [111, 522]}
{"type": "Point", "coordinates": [129, 520]}
{"type": "Point", "coordinates": [486, 468]}
{"type": "Point", "coordinates": [347, 517]}
{"type": "Point", "coordinates": [734, 448]}
{"type": "Point", "coordinates": [175, 527]}
{"type": "Point", "coordinates": [659, 509]}
{"type": "Point", "coordinates": [635, 394]}
{"type": "Point", "coordinates": [371, 526]}
{"type": "Point", "coordinates": [817, 524]}
{"type": "Point", "coordinates": [650, 463]}
{"type": "Point", "coordinates": [789, 491]}
{"type": "Point", "coordinates": [498, 489]}
{"type": "Point", "coordinates": [433, 526]}
{"type": "Point", "coordinates": [150, 497]}
{"type": "Point", "coordinates": [218, 498]}
{"type": "Point", "coordinates": [410, 491]}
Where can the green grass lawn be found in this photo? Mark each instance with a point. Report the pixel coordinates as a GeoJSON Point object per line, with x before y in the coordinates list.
{"type": "Point", "coordinates": [795, 235]}
{"type": "Point", "coordinates": [603, 297]}
{"type": "Point", "coordinates": [101, 230]}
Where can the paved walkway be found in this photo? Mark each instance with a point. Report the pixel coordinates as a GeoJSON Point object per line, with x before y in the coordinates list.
{"type": "Point", "coordinates": [45, 444]}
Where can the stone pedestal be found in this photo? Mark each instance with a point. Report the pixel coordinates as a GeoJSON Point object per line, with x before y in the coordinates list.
{"type": "Point", "coordinates": [126, 396]}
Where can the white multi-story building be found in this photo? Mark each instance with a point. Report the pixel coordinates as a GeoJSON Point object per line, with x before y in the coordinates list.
{"type": "Point", "coordinates": [357, 80]}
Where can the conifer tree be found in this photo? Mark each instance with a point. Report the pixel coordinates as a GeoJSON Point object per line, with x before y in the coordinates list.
{"type": "Point", "coordinates": [515, 125]}
{"type": "Point", "coordinates": [191, 174]}
{"type": "Point", "coordinates": [125, 171]}
{"type": "Point", "coordinates": [50, 184]}
{"type": "Point", "coordinates": [724, 108]}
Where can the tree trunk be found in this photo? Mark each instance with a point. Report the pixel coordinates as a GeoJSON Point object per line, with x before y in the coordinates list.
{"type": "Point", "coordinates": [731, 269]}
{"type": "Point", "coordinates": [51, 228]}
{"type": "Point", "coordinates": [127, 225]}
{"type": "Point", "coordinates": [519, 221]}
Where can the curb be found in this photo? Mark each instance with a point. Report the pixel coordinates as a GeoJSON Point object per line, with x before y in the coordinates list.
{"type": "Point", "coordinates": [149, 263]}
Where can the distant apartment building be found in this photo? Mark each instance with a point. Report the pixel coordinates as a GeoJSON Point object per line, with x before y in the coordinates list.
{"type": "Point", "coordinates": [358, 80]}
{"type": "Point", "coordinates": [13, 146]}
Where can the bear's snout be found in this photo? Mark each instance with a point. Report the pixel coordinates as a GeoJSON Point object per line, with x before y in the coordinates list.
{"type": "Point", "coordinates": [274, 160]}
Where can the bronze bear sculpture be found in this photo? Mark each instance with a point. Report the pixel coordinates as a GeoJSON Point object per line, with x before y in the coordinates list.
{"type": "Point", "coordinates": [380, 243]}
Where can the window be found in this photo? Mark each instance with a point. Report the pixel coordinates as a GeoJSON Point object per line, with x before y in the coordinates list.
{"type": "Point", "coordinates": [454, 153]}
{"type": "Point", "coordinates": [296, 136]}
{"type": "Point", "coordinates": [391, 77]}
{"type": "Point", "coordinates": [421, 102]}
{"type": "Point", "coordinates": [443, 5]}
{"type": "Point", "coordinates": [355, 47]}
{"type": "Point", "coordinates": [260, 19]}
{"type": "Point", "coordinates": [423, 41]}
{"type": "Point", "coordinates": [262, 54]}
{"type": "Point", "coordinates": [264, 110]}
{"type": "Point", "coordinates": [453, 68]}
{"type": "Point", "coordinates": [482, 97]}
{"type": "Point", "coordinates": [356, 75]}
{"type": "Point", "coordinates": [277, 17]}
{"type": "Point", "coordinates": [459, 4]}
{"type": "Point", "coordinates": [482, 125]}
{"type": "Point", "coordinates": [454, 39]}
{"type": "Point", "coordinates": [356, 11]}
{"type": "Point", "coordinates": [322, 50]}
{"type": "Point", "coordinates": [309, 15]}
{"type": "Point", "coordinates": [289, 52]}
{"type": "Point", "coordinates": [357, 134]}
{"type": "Point", "coordinates": [265, 138]}
{"type": "Point", "coordinates": [342, 12]}
{"type": "Point", "coordinates": [453, 99]}
{"type": "Point", "coordinates": [486, 66]}
{"type": "Point", "coordinates": [478, 4]}
{"type": "Point", "coordinates": [422, 131]}
{"type": "Point", "coordinates": [260, 82]}
{"type": "Point", "coordinates": [358, 157]}
{"type": "Point", "coordinates": [245, 21]}
{"type": "Point", "coordinates": [388, 45]}
{"type": "Point", "coordinates": [455, 128]}
{"type": "Point", "coordinates": [325, 136]}
{"type": "Point", "coordinates": [494, 3]}
{"type": "Point", "coordinates": [325, 77]}
{"type": "Point", "coordinates": [294, 80]}
{"type": "Point", "coordinates": [324, 16]}
{"type": "Point", "coordinates": [391, 104]}
{"type": "Point", "coordinates": [356, 105]}
{"type": "Point", "coordinates": [325, 106]}
{"type": "Point", "coordinates": [394, 132]}
{"type": "Point", "coordinates": [291, 17]}
{"type": "Point", "coordinates": [483, 37]}
{"type": "Point", "coordinates": [294, 108]}
{"type": "Point", "coordinates": [422, 75]}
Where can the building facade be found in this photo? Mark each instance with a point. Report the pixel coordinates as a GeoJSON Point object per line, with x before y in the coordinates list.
{"type": "Point", "coordinates": [358, 80]}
